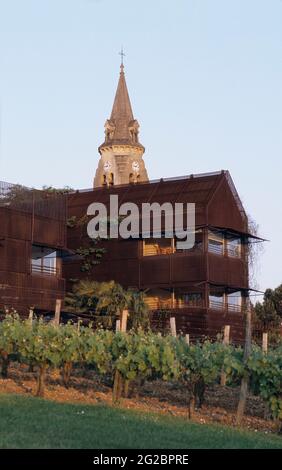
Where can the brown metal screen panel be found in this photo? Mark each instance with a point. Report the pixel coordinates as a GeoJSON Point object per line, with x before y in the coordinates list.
{"type": "Point", "coordinates": [227, 271]}
{"type": "Point", "coordinates": [155, 270]}
{"type": "Point", "coordinates": [125, 273]}
{"type": "Point", "coordinates": [22, 291]}
{"type": "Point", "coordinates": [52, 233]}
{"type": "Point", "coordinates": [216, 320]}
{"type": "Point", "coordinates": [224, 210]}
{"type": "Point", "coordinates": [189, 267]}
{"type": "Point", "coordinates": [16, 256]}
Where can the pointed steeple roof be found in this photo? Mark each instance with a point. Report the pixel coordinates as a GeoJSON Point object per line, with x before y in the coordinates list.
{"type": "Point", "coordinates": [121, 128]}
{"type": "Point", "coordinates": [122, 110]}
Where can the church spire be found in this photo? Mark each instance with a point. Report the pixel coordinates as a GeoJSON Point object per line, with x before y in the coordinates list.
{"type": "Point", "coordinates": [121, 128]}
{"type": "Point", "coordinates": [121, 153]}
{"type": "Point", "coordinates": [122, 115]}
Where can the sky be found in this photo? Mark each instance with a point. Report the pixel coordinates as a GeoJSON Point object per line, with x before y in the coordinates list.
{"type": "Point", "coordinates": [205, 81]}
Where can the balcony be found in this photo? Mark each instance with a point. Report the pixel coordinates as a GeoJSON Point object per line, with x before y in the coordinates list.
{"type": "Point", "coordinates": [174, 300]}
{"type": "Point", "coordinates": [44, 261]}
{"type": "Point", "coordinates": [155, 249]}
{"type": "Point", "coordinates": [168, 246]}
{"type": "Point", "coordinates": [224, 244]}
{"type": "Point", "coordinates": [44, 270]}
{"type": "Point", "coordinates": [161, 304]}
{"type": "Point", "coordinates": [216, 249]}
{"type": "Point", "coordinates": [229, 307]}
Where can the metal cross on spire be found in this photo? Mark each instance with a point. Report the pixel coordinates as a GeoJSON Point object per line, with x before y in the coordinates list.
{"type": "Point", "coordinates": [122, 54]}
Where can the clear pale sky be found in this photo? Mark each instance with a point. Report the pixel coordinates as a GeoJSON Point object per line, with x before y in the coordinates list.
{"type": "Point", "coordinates": [204, 77]}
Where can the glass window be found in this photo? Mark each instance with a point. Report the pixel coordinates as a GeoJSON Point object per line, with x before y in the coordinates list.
{"type": "Point", "coordinates": [188, 299]}
{"type": "Point", "coordinates": [198, 242]}
{"type": "Point", "coordinates": [216, 242]}
{"type": "Point", "coordinates": [157, 246]}
{"type": "Point", "coordinates": [233, 246]}
{"type": "Point", "coordinates": [217, 300]}
{"type": "Point", "coordinates": [158, 299]}
{"type": "Point", "coordinates": [43, 260]}
{"type": "Point", "coordinates": [234, 301]}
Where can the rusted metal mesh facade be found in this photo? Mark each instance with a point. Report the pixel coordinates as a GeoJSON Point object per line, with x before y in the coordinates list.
{"type": "Point", "coordinates": [29, 217]}
{"type": "Point", "coordinates": [39, 203]}
{"type": "Point", "coordinates": [218, 209]}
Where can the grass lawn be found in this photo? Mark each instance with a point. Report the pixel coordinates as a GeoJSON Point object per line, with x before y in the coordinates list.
{"type": "Point", "coordinates": [27, 422]}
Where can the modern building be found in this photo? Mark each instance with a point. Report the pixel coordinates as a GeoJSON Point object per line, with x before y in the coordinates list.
{"type": "Point", "coordinates": [32, 241]}
{"type": "Point", "coordinates": [205, 287]}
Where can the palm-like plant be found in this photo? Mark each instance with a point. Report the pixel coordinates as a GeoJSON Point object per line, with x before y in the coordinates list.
{"type": "Point", "coordinates": [84, 298]}
{"type": "Point", "coordinates": [139, 310]}
{"type": "Point", "coordinates": [109, 299]}
{"type": "Point", "coordinates": [100, 298]}
{"type": "Point", "coordinates": [112, 298]}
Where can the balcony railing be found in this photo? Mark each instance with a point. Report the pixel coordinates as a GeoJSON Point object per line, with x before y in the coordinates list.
{"type": "Point", "coordinates": [184, 303]}
{"type": "Point", "coordinates": [44, 270]}
{"type": "Point", "coordinates": [217, 305]}
{"type": "Point", "coordinates": [153, 250]}
{"type": "Point", "coordinates": [233, 252]}
{"type": "Point", "coordinates": [216, 249]}
{"type": "Point", "coordinates": [234, 308]}
{"type": "Point", "coordinates": [155, 304]}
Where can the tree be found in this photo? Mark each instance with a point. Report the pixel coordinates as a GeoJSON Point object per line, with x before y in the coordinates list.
{"type": "Point", "coordinates": [58, 191]}
{"type": "Point", "coordinates": [275, 296]}
{"type": "Point", "coordinates": [17, 194]}
{"type": "Point", "coordinates": [266, 314]}
{"type": "Point", "coordinates": [269, 312]}
{"type": "Point", "coordinates": [254, 251]}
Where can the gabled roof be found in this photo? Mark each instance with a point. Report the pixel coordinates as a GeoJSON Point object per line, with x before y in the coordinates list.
{"type": "Point", "coordinates": [190, 188]}
{"type": "Point", "coordinates": [217, 201]}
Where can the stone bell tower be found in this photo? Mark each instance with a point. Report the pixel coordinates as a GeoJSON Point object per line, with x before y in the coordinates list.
{"type": "Point", "coordinates": [121, 153]}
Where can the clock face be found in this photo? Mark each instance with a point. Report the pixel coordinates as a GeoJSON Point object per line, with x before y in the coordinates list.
{"type": "Point", "coordinates": [107, 166]}
{"type": "Point", "coordinates": [135, 166]}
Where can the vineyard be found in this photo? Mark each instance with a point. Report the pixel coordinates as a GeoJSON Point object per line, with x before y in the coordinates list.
{"type": "Point", "coordinates": [127, 360]}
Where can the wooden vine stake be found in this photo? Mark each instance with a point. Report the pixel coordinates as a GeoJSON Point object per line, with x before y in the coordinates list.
{"type": "Point", "coordinates": [30, 316]}
{"type": "Point", "coordinates": [119, 384]}
{"type": "Point", "coordinates": [226, 341]}
{"type": "Point", "coordinates": [265, 342]}
{"type": "Point", "coordinates": [30, 319]}
{"type": "Point", "coordinates": [58, 312]}
{"type": "Point", "coordinates": [187, 339]}
{"type": "Point", "coordinates": [123, 324]}
{"type": "Point", "coordinates": [173, 326]}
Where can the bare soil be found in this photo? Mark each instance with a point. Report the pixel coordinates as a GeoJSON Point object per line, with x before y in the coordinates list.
{"type": "Point", "coordinates": [86, 387]}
